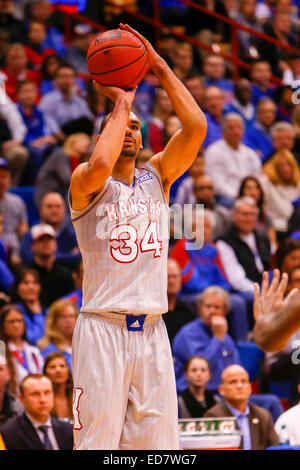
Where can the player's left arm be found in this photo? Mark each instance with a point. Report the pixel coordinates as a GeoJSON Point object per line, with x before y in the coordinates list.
{"type": "Point", "coordinates": [182, 149]}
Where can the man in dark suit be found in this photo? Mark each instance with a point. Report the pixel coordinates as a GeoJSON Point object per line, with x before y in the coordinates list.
{"type": "Point", "coordinates": [36, 429]}
{"type": "Point", "coordinates": [254, 422]}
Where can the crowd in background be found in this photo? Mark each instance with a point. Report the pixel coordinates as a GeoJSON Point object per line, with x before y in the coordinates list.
{"type": "Point", "coordinates": [246, 175]}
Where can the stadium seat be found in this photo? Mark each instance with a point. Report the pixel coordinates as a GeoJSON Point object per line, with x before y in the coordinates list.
{"type": "Point", "coordinates": [251, 357]}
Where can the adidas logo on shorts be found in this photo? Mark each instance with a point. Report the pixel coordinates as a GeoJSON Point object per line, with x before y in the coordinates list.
{"type": "Point", "coordinates": [136, 324]}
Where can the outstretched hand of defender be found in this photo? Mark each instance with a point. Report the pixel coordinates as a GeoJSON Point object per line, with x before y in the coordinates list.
{"type": "Point", "coordinates": [270, 298]}
{"type": "Point", "coordinates": [153, 56]}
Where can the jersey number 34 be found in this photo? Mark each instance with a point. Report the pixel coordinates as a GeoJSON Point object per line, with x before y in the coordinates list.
{"type": "Point", "coordinates": [128, 235]}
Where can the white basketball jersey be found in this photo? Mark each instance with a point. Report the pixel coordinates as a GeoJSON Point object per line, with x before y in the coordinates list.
{"type": "Point", "coordinates": [123, 236]}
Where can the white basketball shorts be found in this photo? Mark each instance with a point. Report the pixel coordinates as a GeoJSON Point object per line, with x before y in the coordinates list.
{"type": "Point", "coordinates": [124, 385]}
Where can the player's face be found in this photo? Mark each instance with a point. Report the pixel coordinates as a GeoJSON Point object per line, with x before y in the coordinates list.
{"type": "Point", "coordinates": [57, 371]}
{"type": "Point", "coordinates": [213, 305]}
{"type": "Point", "coordinates": [38, 398]}
{"type": "Point", "coordinates": [133, 137]}
{"type": "Point", "coordinates": [198, 373]}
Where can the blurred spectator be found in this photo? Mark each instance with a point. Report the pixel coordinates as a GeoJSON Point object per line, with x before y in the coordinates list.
{"type": "Point", "coordinates": [296, 127]}
{"type": "Point", "coordinates": [185, 193]}
{"type": "Point", "coordinates": [247, 16]}
{"type": "Point", "coordinates": [286, 425]}
{"type": "Point", "coordinates": [179, 313]}
{"type": "Point", "coordinates": [55, 174]}
{"type": "Point", "coordinates": [25, 294]}
{"type": "Point", "coordinates": [9, 405]}
{"type": "Point", "coordinates": [60, 325]}
{"type": "Point", "coordinates": [195, 400]}
{"type": "Point", "coordinates": [195, 84]}
{"type": "Point", "coordinates": [63, 104]}
{"type": "Point", "coordinates": [40, 10]}
{"type": "Point", "coordinates": [98, 104]}
{"type": "Point", "coordinates": [214, 73]}
{"type": "Point", "coordinates": [56, 280]}
{"type": "Point", "coordinates": [291, 68]}
{"type": "Point", "coordinates": [9, 23]}
{"type": "Point", "coordinates": [38, 139]}
{"type": "Point", "coordinates": [206, 336]}
{"type": "Point", "coordinates": [12, 134]}
{"type": "Point", "coordinates": [288, 255]}
{"type": "Point", "coordinates": [201, 267]}
{"type": "Point", "coordinates": [162, 110]}
{"type": "Point", "coordinates": [182, 58]}
{"type": "Point", "coordinates": [16, 70]}
{"type": "Point", "coordinates": [52, 212]}
{"type": "Point", "coordinates": [264, 10]}
{"type": "Point", "coordinates": [255, 422]}
{"type": "Point", "coordinates": [251, 187]}
{"type": "Point", "coordinates": [57, 370]}
{"type": "Point", "coordinates": [76, 53]}
{"type": "Point", "coordinates": [6, 276]}
{"type": "Point", "coordinates": [228, 161]}
{"type": "Point", "coordinates": [279, 27]}
{"type": "Point", "coordinates": [172, 125]}
{"type": "Point", "coordinates": [4, 37]}
{"type": "Point", "coordinates": [260, 74]}
{"type": "Point", "coordinates": [14, 213]}
{"type": "Point", "coordinates": [281, 184]}
{"type": "Point", "coordinates": [35, 49]}
{"type": "Point", "coordinates": [283, 97]}
{"type": "Point", "coordinates": [294, 279]}
{"type": "Point", "coordinates": [245, 251]}
{"type": "Point", "coordinates": [197, 21]}
{"type": "Point", "coordinates": [36, 429]}
{"type": "Point", "coordinates": [214, 113]}
{"type": "Point", "coordinates": [258, 136]}
{"type": "Point", "coordinates": [48, 71]}
{"type": "Point", "coordinates": [26, 358]}
{"type": "Point", "coordinates": [76, 295]}
{"type": "Point", "coordinates": [242, 102]}
{"type": "Point", "coordinates": [205, 194]}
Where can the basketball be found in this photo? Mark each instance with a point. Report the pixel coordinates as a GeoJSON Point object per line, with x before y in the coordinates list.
{"type": "Point", "coordinates": [117, 58]}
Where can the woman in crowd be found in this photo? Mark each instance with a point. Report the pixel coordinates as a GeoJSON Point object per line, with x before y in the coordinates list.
{"type": "Point", "coordinates": [25, 357]}
{"type": "Point", "coordinates": [56, 368]}
{"type": "Point", "coordinates": [162, 110]}
{"type": "Point", "coordinates": [48, 71]}
{"type": "Point", "coordinates": [60, 324]}
{"type": "Point", "coordinates": [250, 186]}
{"type": "Point", "coordinates": [55, 174]}
{"type": "Point", "coordinates": [25, 293]}
{"type": "Point", "coordinates": [195, 400]}
{"type": "Point", "coordinates": [281, 184]}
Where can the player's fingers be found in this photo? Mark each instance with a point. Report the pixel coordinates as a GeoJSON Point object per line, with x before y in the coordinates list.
{"type": "Point", "coordinates": [275, 281]}
{"type": "Point", "coordinates": [265, 283]}
{"type": "Point", "coordinates": [282, 285]}
{"type": "Point", "coordinates": [256, 305]}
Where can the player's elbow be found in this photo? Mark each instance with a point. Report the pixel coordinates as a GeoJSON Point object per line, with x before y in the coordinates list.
{"type": "Point", "coordinates": [102, 165]}
{"type": "Point", "coordinates": [197, 126]}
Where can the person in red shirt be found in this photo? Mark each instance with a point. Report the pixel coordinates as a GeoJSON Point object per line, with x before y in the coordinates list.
{"type": "Point", "coordinates": [35, 49]}
{"type": "Point", "coordinates": [16, 70]}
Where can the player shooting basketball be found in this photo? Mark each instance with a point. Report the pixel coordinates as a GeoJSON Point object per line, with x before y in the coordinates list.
{"type": "Point", "coordinates": [124, 384]}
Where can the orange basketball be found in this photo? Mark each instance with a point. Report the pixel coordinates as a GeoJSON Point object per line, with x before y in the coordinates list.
{"type": "Point", "coordinates": [117, 58]}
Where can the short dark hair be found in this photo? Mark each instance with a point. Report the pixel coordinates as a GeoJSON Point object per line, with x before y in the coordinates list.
{"type": "Point", "coordinates": [287, 246]}
{"type": "Point", "coordinates": [65, 65]}
{"type": "Point", "coordinates": [25, 82]}
{"type": "Point", "coordinates": [32, 376]}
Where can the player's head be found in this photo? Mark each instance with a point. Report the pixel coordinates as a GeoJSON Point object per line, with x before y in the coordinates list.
{"type": "Point", "coordinates": [133, 137]}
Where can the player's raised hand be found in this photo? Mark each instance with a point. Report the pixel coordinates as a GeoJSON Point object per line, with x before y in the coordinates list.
{"type": "Point", "coordinates": [114, 93]}
{"type": "Point", "coordinates": [271, 298]}
{"type": "Point", "coordinates": [153, 56]}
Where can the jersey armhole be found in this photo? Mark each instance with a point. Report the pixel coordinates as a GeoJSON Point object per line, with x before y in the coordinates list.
{"type": "Point", "coordinates": [78, 214]}
{"type": "Point", "coordinates": [152, 169]}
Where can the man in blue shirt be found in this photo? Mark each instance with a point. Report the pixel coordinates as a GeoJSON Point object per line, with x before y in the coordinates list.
{"type": "Point", "coordinates": [258, 137]}
{"type": "Point", "coordinates": [254, 422]}
{"type": "Point", "coordinates": [206, 336]}
{"type": "Point", "coordinates": [214, 72]}
{"type": "Point", "coordinates": [63, 104]}
{"type": "Point", "coordinates": [215, 109]}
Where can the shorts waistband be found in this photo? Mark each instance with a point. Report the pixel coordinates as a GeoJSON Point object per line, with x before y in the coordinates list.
{"type": "Point", "coordinates": [120, 319]}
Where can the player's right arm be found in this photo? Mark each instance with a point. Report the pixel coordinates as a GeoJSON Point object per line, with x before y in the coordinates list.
{"type": "Point", "coordinates": [89, 178]}
{"type": "Point", "coordinates": [276, 320]}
